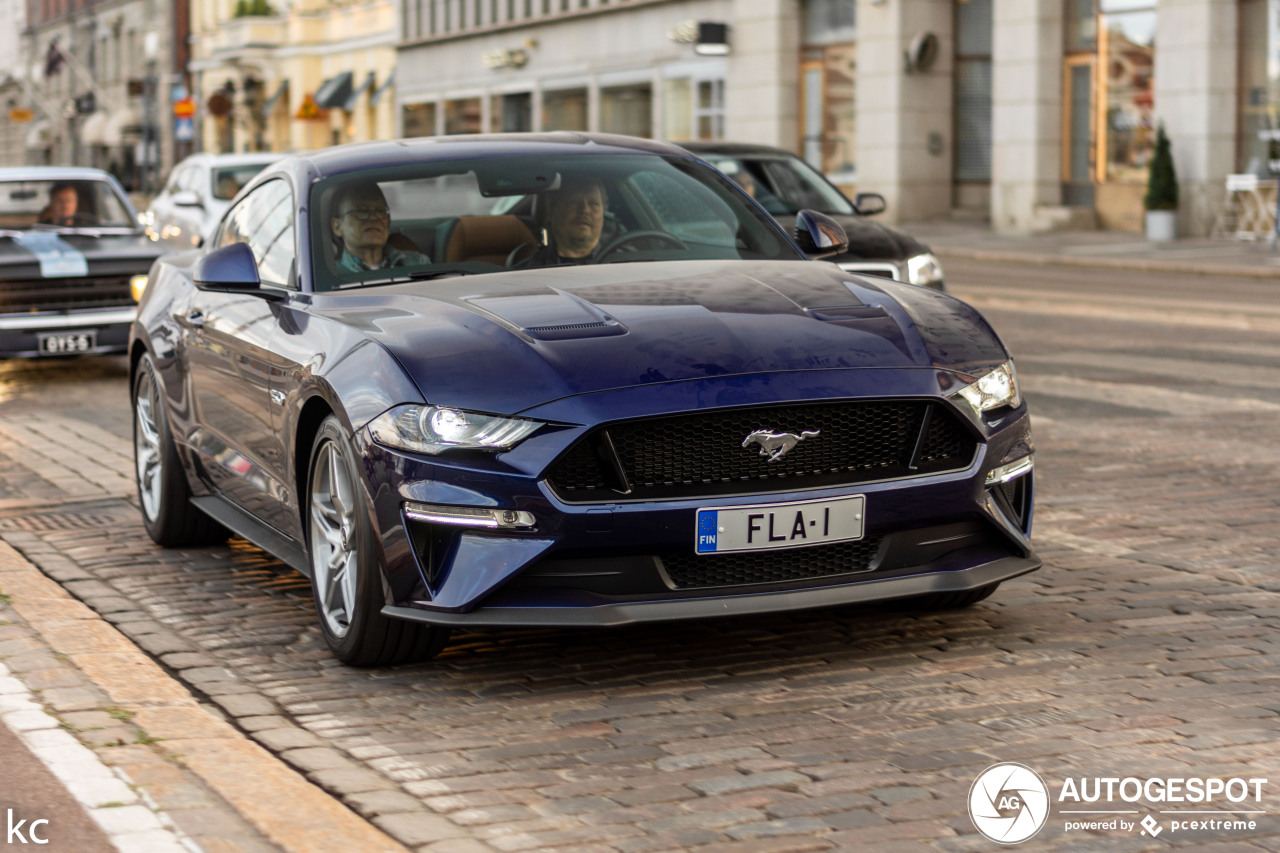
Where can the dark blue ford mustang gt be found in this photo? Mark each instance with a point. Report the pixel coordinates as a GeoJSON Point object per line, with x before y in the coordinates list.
{"type": "Point", "coordinates": [390, 370]}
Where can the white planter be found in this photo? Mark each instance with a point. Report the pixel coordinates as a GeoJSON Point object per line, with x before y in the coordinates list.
{"type": "Point", "coordinates": [1162, 226]}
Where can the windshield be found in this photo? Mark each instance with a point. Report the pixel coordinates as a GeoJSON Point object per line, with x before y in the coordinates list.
{"type": "Point", "coordinates": [783, 185]}
{"type": "Point", "coordinates": [62, 204]}
{"type": "Point", "coordinates": [228, 180]}
{"type": "Point", "coordinates": [487, 215]}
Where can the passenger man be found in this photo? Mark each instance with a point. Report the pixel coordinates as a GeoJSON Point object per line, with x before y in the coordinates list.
{"type": "Point", "coordinates": [362, 221]}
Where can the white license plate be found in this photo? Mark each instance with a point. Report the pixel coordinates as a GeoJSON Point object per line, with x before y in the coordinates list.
{"type": "Point", "coordinates": [788, 525]}
{"type": "Point", "coordinates": [68, 342]}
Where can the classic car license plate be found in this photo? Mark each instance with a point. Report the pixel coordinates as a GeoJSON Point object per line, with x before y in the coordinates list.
{"type": "Point", "coordinates": [68, 342]}
{"type": "Point", "coordinates": [788, 525]}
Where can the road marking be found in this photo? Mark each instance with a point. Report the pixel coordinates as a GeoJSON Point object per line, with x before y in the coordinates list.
{"type": "Point", "coordinates": [1247, 317]}
{"type": "Point", "coordinates": [1221, 373]}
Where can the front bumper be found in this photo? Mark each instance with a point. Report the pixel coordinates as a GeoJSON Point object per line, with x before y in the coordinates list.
{"type": "Point", "coordinates": [20, 334]}
{"type": "Point", "coordinates": [606, 562]}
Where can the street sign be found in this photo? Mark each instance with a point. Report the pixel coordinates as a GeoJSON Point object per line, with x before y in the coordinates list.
{"type": "Point", "coordinates": [308, 109]}
{"type": "Point", "coordinates": [184, 108]}
{"type": "Point", "coordinates": [184, 130]}
{"type": "Point", "coordinates": [21, 115]}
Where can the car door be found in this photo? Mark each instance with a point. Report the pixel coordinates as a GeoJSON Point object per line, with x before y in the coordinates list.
{"type": "Point", "coordinates": [228, 339]}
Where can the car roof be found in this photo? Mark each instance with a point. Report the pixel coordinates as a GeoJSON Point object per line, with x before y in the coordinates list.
{"type": "Point", "coordinates": [53, 173]}
{"type": "Point", "coordinates": [734, 149]}
{"type": "Point", "coordinates": [215, 160]}
{"type": "Point", "coordinates": [398, 152]}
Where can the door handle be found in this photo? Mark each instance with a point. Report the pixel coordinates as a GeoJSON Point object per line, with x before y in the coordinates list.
{"type": "Point", "coordinates": [196, 317]}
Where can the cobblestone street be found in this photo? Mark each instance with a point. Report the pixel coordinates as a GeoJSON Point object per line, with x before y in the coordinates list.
{"type": "Point", "coordinates": [1147, 646]}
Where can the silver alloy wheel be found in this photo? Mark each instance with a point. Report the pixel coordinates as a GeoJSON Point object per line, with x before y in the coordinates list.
{"type": "Point", "coordinates": [333, 546]}
{"type": "Point", "coordinates": [148, 455]}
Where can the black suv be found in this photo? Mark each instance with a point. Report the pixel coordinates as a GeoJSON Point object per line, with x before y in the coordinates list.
{"type": "Point", "coordinates": [784, 184]}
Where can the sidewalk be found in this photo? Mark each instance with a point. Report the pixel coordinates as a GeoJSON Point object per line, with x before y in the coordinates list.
{"type": "Point", "coordinates": [1103, 249]}
{"type": "Point", "coordinates": [156, 770]}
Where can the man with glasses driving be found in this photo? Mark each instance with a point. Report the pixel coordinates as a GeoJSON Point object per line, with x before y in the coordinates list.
{"type": "Point", "coordinates": [362, 221]}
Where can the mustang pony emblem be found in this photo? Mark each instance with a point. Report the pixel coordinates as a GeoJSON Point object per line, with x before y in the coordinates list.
{"type": "Point", "coordinates": [776, 445]}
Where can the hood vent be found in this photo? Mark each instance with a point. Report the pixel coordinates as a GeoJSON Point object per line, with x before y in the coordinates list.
{"type": "Point", "coordinates": [569, 331]}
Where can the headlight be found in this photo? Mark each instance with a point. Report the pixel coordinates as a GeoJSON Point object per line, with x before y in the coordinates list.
{"type": "Point", "coordinates": [998, 388]}
{"type": "Point", "coordinates": [138, 286]}
{"type": "Point", "coordinates": [432, 429]}
{"type": "Point", "coordinates": [924, 269]}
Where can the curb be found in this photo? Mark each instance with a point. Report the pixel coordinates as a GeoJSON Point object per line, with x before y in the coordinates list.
{"type": "Point", "coordinates": [1137, 264]}
{"type": "Point", "coordinates": [289, 811]}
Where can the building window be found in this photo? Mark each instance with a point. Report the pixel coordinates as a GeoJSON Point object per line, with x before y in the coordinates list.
{"type": "Point", "coordinates": [564, 109]}
{"type": "Point", "coordinates": [513, 113]}
{"type": "Point", "coordinates": [462, 116]}
{"type": "Point", "coordinates": [972, 163]}
{"type": "Point", "coordinates": [419, 120]}
{"type": "Point", "coordinates": [708, 111]}
{"type": "Point", "coordinates": [627, 110]}
{"type": "Point", "coordinates": [827, 75]}
{"type": "Point", "coordinates": [1259, 92]}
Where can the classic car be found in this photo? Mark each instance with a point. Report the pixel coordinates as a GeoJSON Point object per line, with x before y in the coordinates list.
{"type": "Point", "coordinates": [449, 418]}
{"type": "Point", "coordinates": [72, 256]}
{"type": "Point", "coordinates": [199, 190]}
{"type": "Point", "coordinates": [784, 184]}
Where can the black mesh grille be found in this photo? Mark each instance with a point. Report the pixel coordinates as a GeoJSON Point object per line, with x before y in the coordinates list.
{"type": "Point", "coordinates": [64, 294]}
{"type": "Point", "coordinates": [694, 571]}
{"type": "Point", "coordinates": [1016, 495]}
{"type": "Point", "coordinates": [703, 454]}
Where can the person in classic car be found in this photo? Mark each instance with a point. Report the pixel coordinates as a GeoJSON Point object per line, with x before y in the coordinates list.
{"type": "Point", "coordinates": [64, 207]}
{"type": "Point", "coordinates": [362, 224]}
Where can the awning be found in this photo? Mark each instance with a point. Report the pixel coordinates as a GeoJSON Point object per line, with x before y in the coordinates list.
{"type": "Point", "coordinates": [382, 90]}
{"type": "Point", "coordinates": [275, 98]}
{"type": "Point", "coordinates": [94, 129]}
{"type": "Point", "coordinates": [334, 91]}
{"type": "Point", "coordinates": [360, 90]}
{"type": "Point", "coordinates": [123, 121]}
{"type": "Point", "coordinates": [38, 134]}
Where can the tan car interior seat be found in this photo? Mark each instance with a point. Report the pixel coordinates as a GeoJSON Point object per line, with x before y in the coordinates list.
{"type": "Point", "coordinates": [486, 238]}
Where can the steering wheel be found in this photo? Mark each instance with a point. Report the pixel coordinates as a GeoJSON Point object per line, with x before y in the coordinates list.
{"type": "Point", "coordinates": [631, 236]}
{"type": "Point", "coordinates": [513, 257]}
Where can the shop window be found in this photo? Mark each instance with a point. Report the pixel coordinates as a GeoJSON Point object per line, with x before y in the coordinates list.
{"type": "Point", "coordinates": [627, 110]}
{"type": "Point", "coordinates": [462, 116]}
{"type": "Point", "coordinates": [972, 153]}
{"type": "Point", "coordinates": [514, 113]}
{"type": "Point", "coordinates": [419, 120]}
{"type": "Point", "coordinates": [677, 109]}
{"type": "Point", "coordinates": [1258, 107]}
{"type": "Point", "coordinates": [564, 109]}
{"type": "Point", "coordinates": [827, 76]}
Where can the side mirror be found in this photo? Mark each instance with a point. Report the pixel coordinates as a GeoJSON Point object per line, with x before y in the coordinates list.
{"type": "Point", "coordinates": [187, 198]}
{"type": "Point", "coordinates": [820, 236]}
{"type": "Point", "coordinates": [869, 204]}
{"type": "Point", "coordinates": [231, 269]}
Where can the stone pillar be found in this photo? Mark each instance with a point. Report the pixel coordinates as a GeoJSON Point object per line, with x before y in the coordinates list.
{"type": "Point", "coordinates": [904, 142]}
{"type": "Point", "coordinates": [1026, 117]}
{"type": "Point", "coordinates": [1195, 97]}
{"type": "Point", "coordinates": [762, 87]}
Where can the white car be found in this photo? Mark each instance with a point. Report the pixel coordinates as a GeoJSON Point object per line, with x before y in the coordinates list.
{"type": "Point", "coordinates": [199, 191]}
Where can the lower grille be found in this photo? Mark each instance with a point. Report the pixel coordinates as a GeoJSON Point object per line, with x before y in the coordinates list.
{"type": "Point", "coordinates": [1014, 498]}
{"type": "Point", "coordinates": [64, 294]}
{"type": "Point", "coordinates": [693, 571]}
{"type": "Point", "coordinates": [707, 453]}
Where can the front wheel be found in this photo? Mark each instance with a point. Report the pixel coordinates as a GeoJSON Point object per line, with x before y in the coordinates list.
{"type": "Point", "coordinates": [168, 515]}
{"type": "Point", "coordinates": [345, 576]}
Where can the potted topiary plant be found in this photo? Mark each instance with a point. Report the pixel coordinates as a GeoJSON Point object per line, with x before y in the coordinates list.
{"type": "Point", "coordinates": [1161, 200]}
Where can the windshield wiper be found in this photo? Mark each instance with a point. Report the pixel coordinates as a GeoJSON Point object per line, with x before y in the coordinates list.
{"type": "Point", "coordinates": [422, 275]}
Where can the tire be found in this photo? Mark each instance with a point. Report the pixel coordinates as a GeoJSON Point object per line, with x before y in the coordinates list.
{"type": "Point", "coordinates": [345, 577]}
{"type": "Point", "coordinates": [951, 600]}
{"type": "Point", "coordinates": [164, 495]}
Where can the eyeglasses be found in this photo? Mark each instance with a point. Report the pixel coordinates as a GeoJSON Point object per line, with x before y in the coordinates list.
{"type": "Point", "coordinates": [368, 214]}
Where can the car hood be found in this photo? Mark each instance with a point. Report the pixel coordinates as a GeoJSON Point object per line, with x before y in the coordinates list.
{"type": "Point", "coordinates": [45, 254]}
{"type": "Point", "coordinates": [870, 240]}
{"type": "Point", "coordinates": [506, 342]}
